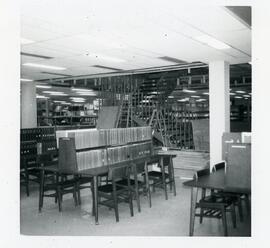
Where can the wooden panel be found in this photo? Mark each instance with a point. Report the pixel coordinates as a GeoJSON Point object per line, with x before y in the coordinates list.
{"type": "Point", "coordinates": [229, 138]}
{"type": "Point", "coordinates": [107, 117]}
{"type": "Point", "coordinates": [238, 171]}
{"type": "Point", "coordinates": [201, 134]}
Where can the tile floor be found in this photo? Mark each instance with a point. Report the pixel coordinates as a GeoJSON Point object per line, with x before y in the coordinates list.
{"type": "Point", "coordinates": [165, 218]}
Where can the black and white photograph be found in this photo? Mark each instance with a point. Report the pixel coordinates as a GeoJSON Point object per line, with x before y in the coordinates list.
{"type": "Point", "coordinates": [134, 119]}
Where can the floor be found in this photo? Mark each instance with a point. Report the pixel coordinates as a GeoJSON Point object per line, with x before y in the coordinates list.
{"type": "Point", "coordinates": [165, 218]}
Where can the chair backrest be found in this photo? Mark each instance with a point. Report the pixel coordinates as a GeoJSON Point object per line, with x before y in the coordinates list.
{"type": "Point", "coordinates": [119, 172]}
{"type": "Point", "coordinates": [201, 173]}
{"type": "Point", "coordinates": [219, 166]}
{"type": "Point", "coordinates": [67, 159]}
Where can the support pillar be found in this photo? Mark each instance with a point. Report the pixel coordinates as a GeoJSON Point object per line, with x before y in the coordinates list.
{"type": "Point", "coordinates": [28, 105]}
{"type": "Point", "coordinates": [219, 100]}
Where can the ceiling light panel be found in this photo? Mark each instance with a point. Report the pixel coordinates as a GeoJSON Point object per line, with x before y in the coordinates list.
{"type": "Point", "coordinates": [212, 42]}
{"type": "Point", "coordinates": [25, 41]}
{"type": "Point", "coordinates": [50, 67]}
{"type": "Point", "coordinates": [26, 80]}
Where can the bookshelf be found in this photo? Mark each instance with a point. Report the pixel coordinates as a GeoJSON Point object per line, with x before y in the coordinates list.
{"type": "Point", "coordinates": [96, 148]}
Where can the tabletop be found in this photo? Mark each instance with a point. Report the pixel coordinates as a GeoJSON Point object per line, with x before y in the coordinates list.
{"type": "Point", "coordinates": [219, 180]}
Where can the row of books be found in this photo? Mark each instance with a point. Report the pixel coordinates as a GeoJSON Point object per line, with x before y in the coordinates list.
{"type": "Point", "coordinates": [90, 138]}
{"type": "Point", "coordinates": [37, 134]}
{"type": "Point", "coordinates": [91, 159]}
{"type": "Point", "coordinates": [100, 157]}
{"type": "Point", "coordinates": [29, 148]}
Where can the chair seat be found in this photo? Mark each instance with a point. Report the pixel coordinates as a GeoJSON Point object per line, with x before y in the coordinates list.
{"type": "Point", "coordinates": [157, 174]}
{"type": "Point", "coordinates": [217, 199]}
{"type": "Point", "coordinates": [124, 182]}
{"type": "Point", "coordinates": [108, 188]}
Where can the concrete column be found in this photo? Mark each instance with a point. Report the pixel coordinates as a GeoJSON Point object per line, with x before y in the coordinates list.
{"type": "Point", "coordinates": [28, 105]}
{"type": "Point", "coordinates": [219, 100]}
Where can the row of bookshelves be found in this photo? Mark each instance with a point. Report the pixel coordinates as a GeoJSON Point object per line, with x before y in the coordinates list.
{"type": "Point", "coordinates": [37, 134]}
{"type": "Point", "coordinates": [90, 138]}
{"type": "Point", "coordinates": [100, 157]}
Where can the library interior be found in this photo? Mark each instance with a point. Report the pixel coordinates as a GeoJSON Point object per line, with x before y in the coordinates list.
{"type": "Point", "coordinates": [135, 119]}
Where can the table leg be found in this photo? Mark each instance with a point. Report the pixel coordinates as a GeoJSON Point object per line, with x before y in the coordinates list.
{"type": "Point", "coordinates": [194, 193]}
{"type": "Point", "coordinates": [41, 190]}
{"type": "Point", "coordinates": [95, 184]}
{"type": "Point", "coordinates": [164, 178]}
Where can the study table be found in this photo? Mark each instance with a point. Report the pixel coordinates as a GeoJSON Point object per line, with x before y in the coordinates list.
{"type": "Point", "coordinates": [220, 180]}
{"type": "Point", "coordinates": [95, 173]}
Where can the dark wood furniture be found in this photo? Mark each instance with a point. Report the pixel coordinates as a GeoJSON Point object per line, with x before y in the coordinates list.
{"type": "Point", "coordinates": [213, 205]}
{"type": "Point", "coordinates": [165, 176]}
{"type": "Point", "coordinates": [112, 193]}
{"type": "Point", "coordinates": [216, 181]}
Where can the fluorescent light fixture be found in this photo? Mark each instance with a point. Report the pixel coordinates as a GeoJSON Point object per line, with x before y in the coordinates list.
{"type": "Point", "coordinates": [205, 93]}
{"type": "Point", "coordinates": [81, 89]}
{"type": "Point", "coordinates": [43, 86]}
{"type": "Point", "coordinates": [41, 97]}
{"type": "Point", "coordinates": [25, 41]}
{"type": "Point", "coordinates": [87, 93]}
{"type": "Point", "coordinates": [145, 101]}
{"type": "Point", "coordinates": [240, 91]}
{"type": "Point", "coordinates": [195, 96]}
{"type": "Point", "coordinates": [77, 98]}
{"type": "Point", "coordinates": [232, 94]}
{"type": "Point", "coordinates": [201, 100]}
{"type": "Point", "coordinates": [26, 80]}
{"type": "Point", "coordinates": [210, 41]}
{"type": "Point", "coordinates": [183, 100]}
{"type": "Point", "coordinates": [246, 95]}
{"type": "Point", "coordinates": [53, 92]}
{"type": "Point", "coordinates": [105, 57]}
{"type": "Point", "coordinates": [60, 101]}
{"type": "Point", "coordinates": [170, 96]}
{"type": "Point", "coordinates": [58, 68]}
{"type": "Point", "coordinates": [239, 97]}
{"type": "Point", "coordinates": [189, 91]}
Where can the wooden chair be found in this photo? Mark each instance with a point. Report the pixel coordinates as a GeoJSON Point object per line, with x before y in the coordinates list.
{"type": "Point", "coordinates": [165, 176]}
{"type": "Point", "coordinates": [237, 198]}
{"type": "Point", "coordinates": [112, 193]}
{"type": "Point", "coordinates": [67, 180]}
{"type": "Point", "coordinates": [211, 206]}
{"type": "Point", "coordinates": [138, 186]}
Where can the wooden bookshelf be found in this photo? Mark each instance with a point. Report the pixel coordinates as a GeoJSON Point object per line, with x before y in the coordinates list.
{"type": "Point", "coordinates": [102, 147]}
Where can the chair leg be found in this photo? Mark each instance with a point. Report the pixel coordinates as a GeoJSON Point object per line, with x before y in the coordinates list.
{"type": "Point", "coordinates": [41, 190]}
{"type": "Point", "coordinates": [93, 198]}
{"type": "Point", "coordinates": [115, 201]}
{"type": "Point", "coordinates": [137, 192]}
{"type": "Point", "coordinates": [173, 180]}
{"type": "Point", "coordinates": [233, 214]}
{"type": "Point", "coordinates": [27, 182]}
{"type": "Point", "coordinates": [75, 195]}
{"type": "Point", "coordinates": [164, 179]}
{"type": "Point", "coordinates": [201, 215]}
{"type": "Point", "coordinates": [240, 209]}
{"type": "Point", "coordinates": [59, 194]}
{"type": "Point", "coordinates": [130, 197]}
{"type": "Point", "coordinates": [147, 185]}
{"type": "Point", "coordinates": [224, 221]}
{"type": "Point", "coordinates": [247, 204]}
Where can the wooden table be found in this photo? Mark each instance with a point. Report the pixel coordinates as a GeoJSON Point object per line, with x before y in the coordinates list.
{"type": "Point", "coordinates": [216, 181]}
{"type": "Point", "coordinates": [94, 172]}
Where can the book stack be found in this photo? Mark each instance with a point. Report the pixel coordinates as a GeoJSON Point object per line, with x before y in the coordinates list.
{"type": "Point", "coordinates": [37, 140]}
{"type": "Point", "coordinates": [117, 154]}
{"type": "Point", "coordinates": [95, 148]}
{"type": "Point", "coordinates": [140, 150]}
{"type": "Point", "coordinates": [91, 159]}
